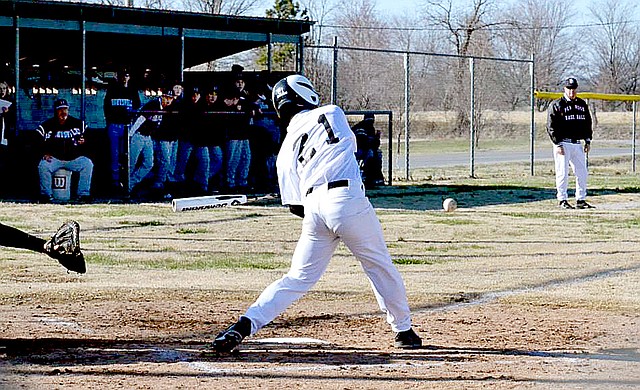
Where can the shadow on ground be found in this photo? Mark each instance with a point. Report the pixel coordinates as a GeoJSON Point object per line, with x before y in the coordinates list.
{"type": "Point", "coordinates": [430, 197]}
{"type": "Point", "coordinates": [420, 197]}
{"type": "Point", "coordinates": [55, 356]}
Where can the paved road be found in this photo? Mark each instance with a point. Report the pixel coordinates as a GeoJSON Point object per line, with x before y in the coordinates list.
{"type": "Point", "coordinates": [495, 157]}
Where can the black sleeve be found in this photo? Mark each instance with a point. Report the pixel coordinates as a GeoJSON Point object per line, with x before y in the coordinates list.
{"type": "Point", "coordinates": [553, 121]}
{"type": "Point", "coordinates": [297, 209]}
{"type": "Point", "coordinates": [589, 126]}
{"type": "Point", "coordinates": [15, 238]}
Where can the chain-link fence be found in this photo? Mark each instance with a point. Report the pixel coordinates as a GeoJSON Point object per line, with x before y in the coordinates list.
{"type": "Point", "coordinates": [448, 110]}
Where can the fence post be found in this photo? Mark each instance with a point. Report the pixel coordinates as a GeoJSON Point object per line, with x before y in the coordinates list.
{"type": "Point", "coordinates": [334, 72]}
{"type": "Point", "coordinates": [532, 128]}
{"type": "Point", "coordinates": [181, 73]}
{"type": "Point", "coordinates": [16, 64]}
{"type": "Point", "coordinates": [407, 101]}
{"type": "Point", "coordinates": [269, 52]}
{"type": "Point", "coordinates": [83, 72]}
{"type": "Point", "coordinates": [300, 56]}
{"type": "Point", "coordinates": [390, 149]}
{"type": "Point", "coordinates": [633, 139]}
{"type": "Point", "coordinates": [472, 114]}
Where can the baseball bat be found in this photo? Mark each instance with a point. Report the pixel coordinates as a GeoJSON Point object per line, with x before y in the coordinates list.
{"type": "Point", "coordinates": [207, 202]}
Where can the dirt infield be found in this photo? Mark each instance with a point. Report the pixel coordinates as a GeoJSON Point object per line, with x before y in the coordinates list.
{"type": "Point", "coordinates": [507, 292]}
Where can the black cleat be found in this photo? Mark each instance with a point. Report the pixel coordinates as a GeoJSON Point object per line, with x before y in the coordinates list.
{"type": "Point", "coordinates": [407, 339]}
{"type": "Point", "coordinates": [564, 204]}
{"type": "Point", "coordinates": [230, 338]}
{"type": "Point", "coordinates": [582, 204]}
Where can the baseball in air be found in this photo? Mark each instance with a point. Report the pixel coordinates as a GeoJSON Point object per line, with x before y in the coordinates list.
{"type": "Point", "coordinates": [449, 204]}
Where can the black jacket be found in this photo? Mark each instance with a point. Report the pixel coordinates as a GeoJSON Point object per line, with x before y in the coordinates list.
{"type": "Point", "coordinates": [569, 119]}
{"type": "Point", "coordinates": [61, 140]}
{"type": "Point", "coordinates": [212, 130]}
{"type": "Point", "coordinates": [150, 111]}
{"type": "Point", "coordinates": [171, 125]}
{"type": "Point", "coordinates": [119, 104]}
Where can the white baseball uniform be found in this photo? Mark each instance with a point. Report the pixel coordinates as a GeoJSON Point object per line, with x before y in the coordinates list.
{"type": "Point", "coordinates": [575, 157]}
{"type": "Point", "coordinates": [569, 122]}
{"type": "Point", "coordinates": [317, 168]}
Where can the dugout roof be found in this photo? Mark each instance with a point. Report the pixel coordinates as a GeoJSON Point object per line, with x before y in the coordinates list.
{"type": "Point", "coordinates": [51, 34]}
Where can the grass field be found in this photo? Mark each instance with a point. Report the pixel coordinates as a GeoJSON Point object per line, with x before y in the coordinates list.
{"type": "Point", "coordinates": [500, 125]}
{"type": "Point", "coordinates": [508, 292]}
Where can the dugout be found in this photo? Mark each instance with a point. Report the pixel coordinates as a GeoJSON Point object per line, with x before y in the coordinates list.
{"type": "Point", "coordinates": [69, 50]}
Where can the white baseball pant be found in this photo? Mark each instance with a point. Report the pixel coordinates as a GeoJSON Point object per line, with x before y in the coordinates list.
{"type": "Point", "coordinates": [573, 156]}
{"type": "Point", "coordinates": [332, 215]}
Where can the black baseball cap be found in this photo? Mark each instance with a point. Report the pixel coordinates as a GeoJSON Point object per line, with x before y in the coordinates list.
{"type": "Point", "coordinates": [60, 103]}
{"type": "Point", "coordinates": [571, 83]}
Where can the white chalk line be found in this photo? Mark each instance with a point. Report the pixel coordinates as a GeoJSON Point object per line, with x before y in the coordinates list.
{"type": "Point", "coordinates": [289, 340]}
{"type": "Point", "coordinates": [212, 368]}
{"type": "Point", "coordinates": [65, 323]}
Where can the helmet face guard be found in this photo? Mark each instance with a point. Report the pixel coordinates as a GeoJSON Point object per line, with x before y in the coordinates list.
{"type": "Point", "coordinates": [293, 94]}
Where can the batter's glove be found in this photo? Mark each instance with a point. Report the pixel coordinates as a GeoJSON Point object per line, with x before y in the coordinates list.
{"type": "Point", "coordinates": [64, 246]}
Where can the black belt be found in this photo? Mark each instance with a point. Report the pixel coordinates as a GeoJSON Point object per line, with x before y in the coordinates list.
{"type": "Point", "coordinates": [332, 184]}
{"type": "Point", "coordinates": [573, 141]}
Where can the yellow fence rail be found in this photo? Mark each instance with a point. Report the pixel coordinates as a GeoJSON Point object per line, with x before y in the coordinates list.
{"type": "Point", "coordinates": [590, 95]}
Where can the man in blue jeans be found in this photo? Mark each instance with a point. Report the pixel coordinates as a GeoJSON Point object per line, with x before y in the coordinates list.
{"type": "Point", "coordinates": [120, 102]}
{"type": "Point", "coordinates": [63, 146]}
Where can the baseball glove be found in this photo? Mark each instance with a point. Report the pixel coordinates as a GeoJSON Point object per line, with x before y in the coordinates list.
{"type": "Point", "coordinates": [64, 246]}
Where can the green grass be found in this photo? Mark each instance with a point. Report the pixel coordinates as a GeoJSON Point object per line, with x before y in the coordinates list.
{"type": "Point", "coordinates": [191, 231]}
{"type": "Point", "coordinates": [263, 261]}
{"type": "Point", "coordinates": [417, 261]}
{"type": "Point", "coordinates": [143, 223]}
{"type": "Point", "coordinates": [454, 221]}
{"type": "Point", "coordinates": [532, 215]}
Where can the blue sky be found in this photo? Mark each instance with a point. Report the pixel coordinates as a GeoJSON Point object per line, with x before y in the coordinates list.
{"type": "Point", "coordinates": [579, 7]}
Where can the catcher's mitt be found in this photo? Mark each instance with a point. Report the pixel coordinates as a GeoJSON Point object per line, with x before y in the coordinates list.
{"type": "Point", "coordinates": [64, 246]}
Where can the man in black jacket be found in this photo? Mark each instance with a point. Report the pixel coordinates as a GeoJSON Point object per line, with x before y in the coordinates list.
{"type": "Point", "coordinates": [63, 146]}
{"type": "Point", "coordinates": [568, 123]}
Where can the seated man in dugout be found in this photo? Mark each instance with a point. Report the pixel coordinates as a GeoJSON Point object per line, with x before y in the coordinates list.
{"type": "Point", "coordinates": [63, 146]}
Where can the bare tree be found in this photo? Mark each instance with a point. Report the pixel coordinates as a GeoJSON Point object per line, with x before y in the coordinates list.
{"type": "Point", "coordinates": [153, 4]}
{"type": "Point", "coordinates": [468, 32]}
{"type": "Point", "coordinates": [362, 74]}
{"type": "Point", "coordinates": [317, 65]}
{"type": "Point", "coordinates": [615, 45]}
{"type": "Point", "coordinates": [538, 28]}
{"type": "Point", "coordinates": [220, 7]}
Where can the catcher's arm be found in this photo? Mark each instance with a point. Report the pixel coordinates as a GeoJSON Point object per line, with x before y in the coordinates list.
{"type": "Point", "coordinates": [64, 246]}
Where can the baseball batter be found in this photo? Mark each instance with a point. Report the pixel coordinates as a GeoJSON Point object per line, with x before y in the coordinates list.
{"type": "Point", "coordinates": [320, 181]}
{"type": "Point", "coordinates": [568, 123]}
